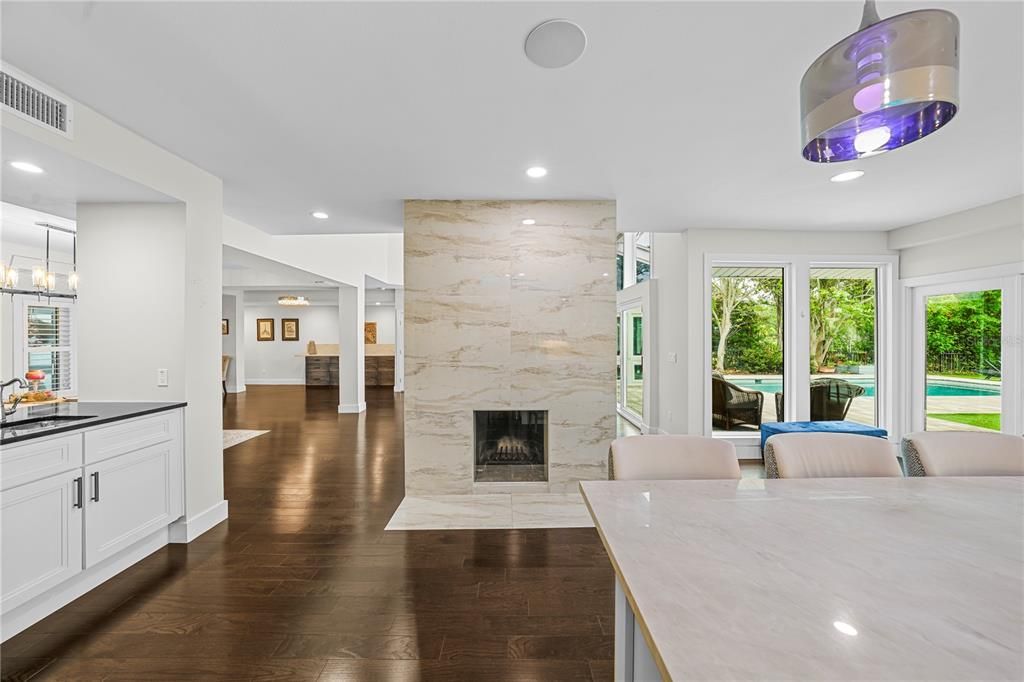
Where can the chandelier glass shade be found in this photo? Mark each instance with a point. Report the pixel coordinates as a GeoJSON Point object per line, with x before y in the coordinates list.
{"type": "Point", "coordinates": [891, 83]}
{"type": "Point", "coordinates": [292, 300]}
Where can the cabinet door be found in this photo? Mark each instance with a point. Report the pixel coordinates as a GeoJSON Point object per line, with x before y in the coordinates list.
{"type": "Point", "coordinates": [130, 497]}
{"type": "Point", "coordinates": [41, 541]}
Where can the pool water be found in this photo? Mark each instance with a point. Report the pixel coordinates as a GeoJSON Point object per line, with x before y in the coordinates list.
{"type": "Point", "coordinates": [935, 388]}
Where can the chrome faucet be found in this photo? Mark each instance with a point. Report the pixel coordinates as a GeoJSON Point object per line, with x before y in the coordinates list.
{"type": "Point", "coordinates": [4, 411]}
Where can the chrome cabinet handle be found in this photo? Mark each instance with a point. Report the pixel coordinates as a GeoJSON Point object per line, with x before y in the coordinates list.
{"type": "Point", "coordinates": [79, 493]}
{"type": "Point", "coordinates": [95, 486]}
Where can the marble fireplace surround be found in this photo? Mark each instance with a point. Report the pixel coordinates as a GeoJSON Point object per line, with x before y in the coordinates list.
{"type": "Point", "coordinates": [505, 316]}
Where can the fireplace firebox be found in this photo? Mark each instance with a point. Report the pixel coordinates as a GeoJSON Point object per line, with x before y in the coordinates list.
{"type": "Point", "coordinates": [510, 445]}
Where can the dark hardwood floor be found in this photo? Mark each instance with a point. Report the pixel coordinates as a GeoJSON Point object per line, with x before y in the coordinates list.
{"type": "Point", "coordinates": [302, 582]}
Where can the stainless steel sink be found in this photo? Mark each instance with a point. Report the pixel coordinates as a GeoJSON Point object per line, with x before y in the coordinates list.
{"type": "Point", "coordinates": [36, 423]}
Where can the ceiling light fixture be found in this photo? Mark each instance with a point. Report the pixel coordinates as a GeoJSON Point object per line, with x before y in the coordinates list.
{"type": "Point", "coordinates": [536, 172]}
{"type": "Point", "coordinates": [529, 221]}
{"type": "Point", "coordinates": [847, 176]}
{"type": "Point", "coordinates": [893, 82]}
{"type": "Point", "coordinates": [319, 215]}
{"type": "Point", "coordinates": [26, 166]}
{"type": "Point", "coordinates": [292, 300]}
{"type": "Point", "coordinates": [377, 303]}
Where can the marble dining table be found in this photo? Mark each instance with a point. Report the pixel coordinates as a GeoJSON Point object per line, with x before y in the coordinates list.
{"type": "Point", "coordinates": [816, 579]}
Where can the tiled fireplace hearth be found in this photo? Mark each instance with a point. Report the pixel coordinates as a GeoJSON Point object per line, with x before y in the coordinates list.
{"type": "Point", "coordinates": [510, 445]}
{"type": "Point", "coordinates": [502, 316]}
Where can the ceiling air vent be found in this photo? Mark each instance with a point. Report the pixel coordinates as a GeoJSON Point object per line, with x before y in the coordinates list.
{"type": "Point", "coordinates": [35, 105]}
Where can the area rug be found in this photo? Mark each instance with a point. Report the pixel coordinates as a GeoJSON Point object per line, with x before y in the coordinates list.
{"type": "Point", "coordinates": [235, 436]}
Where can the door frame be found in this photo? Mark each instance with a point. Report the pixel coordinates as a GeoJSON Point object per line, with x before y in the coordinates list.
{"type": "Point", "coordinates": [638, 296]}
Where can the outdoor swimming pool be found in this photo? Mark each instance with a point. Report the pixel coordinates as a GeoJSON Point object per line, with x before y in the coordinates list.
{"type": "Point", "coordinates": [936, 387]}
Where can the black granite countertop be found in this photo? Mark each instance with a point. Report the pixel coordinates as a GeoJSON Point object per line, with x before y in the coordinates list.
{"type": "Point", "coordinates": [26, 423]}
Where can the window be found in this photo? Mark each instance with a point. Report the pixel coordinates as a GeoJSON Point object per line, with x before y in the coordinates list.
{"type": "Point", "coordinates": [843, 311]}
{"type": "Point", "coordinates": [747, 324]}
{"type": "Point", "coordinates": [642, 254]}
{"type": "Point", "coordinates": [620, 262]}
{"type": "Point", "coordinates": [963, 361]}
{"type": "Point", "coordinates": [48, 345]}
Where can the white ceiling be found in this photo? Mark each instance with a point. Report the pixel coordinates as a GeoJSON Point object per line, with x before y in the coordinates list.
{"type": "Point", "coordinates": [65, 182]}
{"type": "Point", "coordinates": [687, 113]}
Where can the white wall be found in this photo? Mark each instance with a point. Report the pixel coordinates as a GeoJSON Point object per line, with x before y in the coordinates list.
{"type": "Point", "coordinates": [981, 237]}
{"type": "Point", "coordinates": [104, 143]}
{"type": "Point", "coordinates": [131, 259]}
{"type": "Point", "coordinates": [344, 258]}
{"type": "Point", "coordinates": [277, 361]}
{"type": "Point", "coordinates": [384, 316]}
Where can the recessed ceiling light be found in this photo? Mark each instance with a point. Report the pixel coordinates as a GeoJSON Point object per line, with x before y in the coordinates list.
{"type": "Point", "coordinates": [522, 274]}
{"type": "Point", "coordinates": [319, 215]}
{"type": "Point", "coordinates": [847, 176]}
{"type": "Point", "coordinates": [529, 221]}
{"type": "Point", "coordinates": [604, 274]}
{"type": "Point", "coordinates": [377, 303]}
{"type": "Point", "coordinates": [537, 171]}
{"type": "Point", "coordinates": [845, 628]}
{"type": "Point", "coordinates": [26, 166]}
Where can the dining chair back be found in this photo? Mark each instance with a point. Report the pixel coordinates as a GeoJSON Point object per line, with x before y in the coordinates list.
{"type": "Point", "coordinates": [672, 457]}
{"type": "Point", "coordinates": [829, 455]}
{"type": "Point", "coordinates": [963, 453]}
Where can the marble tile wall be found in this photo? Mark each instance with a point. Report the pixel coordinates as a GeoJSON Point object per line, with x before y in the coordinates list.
{"type": "Point", "coordinates": [501, 315]}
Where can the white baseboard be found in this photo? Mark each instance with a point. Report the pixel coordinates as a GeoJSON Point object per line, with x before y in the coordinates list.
{"type": "Point", "coordinates": [275, 382]}
{"type": "Point", "coordinates": [40, 607]}
{"type": "Point", "coordinates": [186, 530]}
{"type": "Point", "coordinates": [352, 408]}
{"type": "Point", "coordinates": [236, 389]}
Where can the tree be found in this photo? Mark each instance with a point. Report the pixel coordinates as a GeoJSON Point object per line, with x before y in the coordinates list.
{"type": "Point", "coordinates": [842, 312]}
{"type": "Point", "coordinates": [726, 294]}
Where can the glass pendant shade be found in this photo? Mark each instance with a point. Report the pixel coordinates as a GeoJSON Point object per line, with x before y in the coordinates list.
{"type": "Point", "coordinates": [889, 84]}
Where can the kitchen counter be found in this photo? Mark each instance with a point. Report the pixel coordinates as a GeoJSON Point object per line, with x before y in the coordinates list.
{"type": "Point", "coordinates": [88, 413]}
{"type": "Point", "coordinates": [840, 579]}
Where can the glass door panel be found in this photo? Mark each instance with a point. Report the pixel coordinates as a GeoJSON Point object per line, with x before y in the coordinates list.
{"type": "Point", "coordinates": [963, 361]}
{"type": "Point", "coordinates": [843, 307]}
{"type": "Point", "coordinates": [633, 361]}
{"type": "Point", "coordinates": [747, 316]}
{"type": "Point", "coordinates": [618, 360]}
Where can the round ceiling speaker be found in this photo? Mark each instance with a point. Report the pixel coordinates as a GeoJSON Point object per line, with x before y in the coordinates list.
{"type": "Point", "coordinates": [555, 43]}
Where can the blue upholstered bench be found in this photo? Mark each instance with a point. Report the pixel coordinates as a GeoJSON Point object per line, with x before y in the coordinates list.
{"type": "Point", "coordinates": [773, 428]}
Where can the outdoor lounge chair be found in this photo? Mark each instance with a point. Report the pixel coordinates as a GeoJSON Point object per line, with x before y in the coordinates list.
{"type": "Point", "coordinates": [830, 399]}
{"type": "Point", "coordinates": [732, 406]}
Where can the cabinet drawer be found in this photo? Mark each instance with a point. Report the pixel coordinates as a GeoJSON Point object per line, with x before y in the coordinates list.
{"type": "Point", "coordinates": [124, 437]}
{"type": "Point", "coordinates": [41, 536]}
{"type": "Point", "coordinates": [386, 377]}
{"type": "Point", "coordinates": [34, 460]}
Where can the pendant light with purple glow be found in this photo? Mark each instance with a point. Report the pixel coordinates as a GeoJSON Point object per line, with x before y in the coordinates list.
{"type": "Point", "coordinates": [891, 83]}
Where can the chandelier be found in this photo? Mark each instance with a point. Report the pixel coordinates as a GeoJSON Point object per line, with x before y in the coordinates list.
{"type": "Point", "coordinates": [893, 82]}
{"type": "Point", "coordinates": [292, 300]}
{"type": "Point", "coordinates": [44, 278]}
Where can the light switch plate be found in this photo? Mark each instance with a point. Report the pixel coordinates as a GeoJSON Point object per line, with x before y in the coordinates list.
{"type": "Point", "coordinates": [161, 377]}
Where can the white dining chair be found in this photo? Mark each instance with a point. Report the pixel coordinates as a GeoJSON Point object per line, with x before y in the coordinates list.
{"type": "Point", "coordinates": [639, 458]}
{"type": "Point", "coordinates": [963, 453]}
{"type": "Point", "coordinates": [829, 455]}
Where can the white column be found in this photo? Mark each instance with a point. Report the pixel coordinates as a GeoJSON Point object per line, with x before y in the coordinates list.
{"type": "Point", "coordinates": [233, 310]}
{"type": "Point", "coordinates": [351, 317]}
{"type": "Point", "coordinates": [399, 340]}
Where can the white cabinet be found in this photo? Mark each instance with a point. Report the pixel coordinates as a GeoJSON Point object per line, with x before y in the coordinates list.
{"type": "Point", "coordinates": [42, 536]}
{"type": "Point", "coordinates": [129, 497]}
{"type": "Point", "coordinates": [77, 508]}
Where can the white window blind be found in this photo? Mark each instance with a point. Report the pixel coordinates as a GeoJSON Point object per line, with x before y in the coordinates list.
{"type": "Point", "coordinates": [48, 345]}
